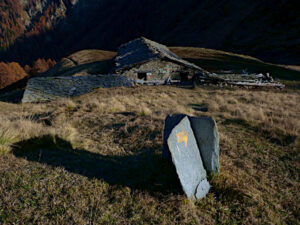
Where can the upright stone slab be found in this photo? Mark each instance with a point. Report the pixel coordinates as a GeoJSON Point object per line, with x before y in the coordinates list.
{"type": "Point", "coordinates": [170, 122]}
{"type": "Point", "coordinates": [206, 133]}
{"type": "Point", "coordinates": [187, 160]}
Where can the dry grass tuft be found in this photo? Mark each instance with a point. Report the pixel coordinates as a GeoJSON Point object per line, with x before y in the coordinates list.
{"type": "Point", "coordinates": [17, 129]}
{"type": "Point", "coordinates": [67, 104]}
{"type": "Point", "coordinates": [144, 110]}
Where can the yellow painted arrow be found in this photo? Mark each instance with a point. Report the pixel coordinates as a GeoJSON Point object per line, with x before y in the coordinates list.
{"type": "Point", "coordinates": [182, 137]}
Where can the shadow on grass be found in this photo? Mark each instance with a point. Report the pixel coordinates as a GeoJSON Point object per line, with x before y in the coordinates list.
{"type": "Point", "coordinates": [144, 171]}
{"type": "Point", "coordinates": [199, 107]}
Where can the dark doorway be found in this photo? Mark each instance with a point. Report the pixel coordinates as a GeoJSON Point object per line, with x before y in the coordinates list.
{"type": "Point", "coordinates": [142, 76]}
{"type": "Point", "coordinates": [184, 76]}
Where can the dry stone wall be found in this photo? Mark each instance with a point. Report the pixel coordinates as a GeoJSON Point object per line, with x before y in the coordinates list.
{"type": "Point", "coordinates": [160, 69]}
{"type": "Point", "coordinates": [41, 89]}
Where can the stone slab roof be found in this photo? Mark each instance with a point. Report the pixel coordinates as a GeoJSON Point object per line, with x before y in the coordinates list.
{"type": "Point", "coordinates": [142, 50]}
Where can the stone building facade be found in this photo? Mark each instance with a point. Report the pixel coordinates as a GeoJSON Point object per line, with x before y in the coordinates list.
{"type": "Point", "coordinates": [143, 59]}
{"type": "Point", "coordinates": [159, 70]}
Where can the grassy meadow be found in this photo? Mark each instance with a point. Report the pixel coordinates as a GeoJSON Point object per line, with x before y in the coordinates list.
{"type": "Point", "coordinates": [96, 159]}
{"type": "Point", "coordinates": [215, 60]}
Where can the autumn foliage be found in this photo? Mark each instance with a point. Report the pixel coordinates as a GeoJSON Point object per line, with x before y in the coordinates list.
{"type": "Point", "coordinates": [13, 72]}
{"type": "Point", "coordinates": [10, 73]}
{"type": "Point", "coordinates": [40, 66]}
{"type": "Point", "coordinates": [15, 17]}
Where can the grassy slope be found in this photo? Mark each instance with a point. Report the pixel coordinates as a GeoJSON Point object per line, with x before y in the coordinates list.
{"type": "Point", "coordinates": [96, 159]}
{"type": "Point", "coordinates": [214, 60]}
{"type": "Point", "coordinates": [84, 62]}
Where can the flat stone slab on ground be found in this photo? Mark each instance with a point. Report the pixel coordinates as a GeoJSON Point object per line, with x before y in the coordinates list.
{"type": "Point", "coordinates": [187, 160]}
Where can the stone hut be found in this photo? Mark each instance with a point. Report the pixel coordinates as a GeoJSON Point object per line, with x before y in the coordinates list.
{"type": "Point", "coordinates": [143, 59]}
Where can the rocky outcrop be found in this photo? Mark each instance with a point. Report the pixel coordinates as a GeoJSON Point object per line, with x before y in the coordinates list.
{"type": "Point", "coordinates": [41, 89]}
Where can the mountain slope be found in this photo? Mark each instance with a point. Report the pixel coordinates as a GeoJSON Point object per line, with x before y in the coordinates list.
{"type": "Point", "coordinates": [29, 18]}
{"type": "Point", "coordinates": [265, 29]}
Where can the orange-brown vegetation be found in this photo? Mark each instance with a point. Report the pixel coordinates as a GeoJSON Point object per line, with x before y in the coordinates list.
{"type": "Point", "coordinates": [10, 24]}
{"type": "Point", "coordinates": [13, 72]}
{"type": "Point", "coordinates": [10, 73]}
{"type": "Point", "coordinates": [40, 66]}
{"type": "Point", "coordinates": [14, 16]}
{"type": "Point", "coordinates": [44, 21]}
{"type": "Point", "coordinates": [27, 69]}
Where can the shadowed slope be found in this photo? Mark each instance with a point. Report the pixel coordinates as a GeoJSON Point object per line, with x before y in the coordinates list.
{"type": "Point", "coordinates": [267, 29]}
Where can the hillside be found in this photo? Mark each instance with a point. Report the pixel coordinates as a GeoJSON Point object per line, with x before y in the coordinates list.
{"type": "Point", "coordinates": [267, 29]}
{"type": "Point", "coordinates": [84, 62]}
{"type": "Point", "coordinates": [96, 159]}
{"type": "Point", "coordinates": [214, 61]}
{"type": "Point", "coordinates": [100, 62]}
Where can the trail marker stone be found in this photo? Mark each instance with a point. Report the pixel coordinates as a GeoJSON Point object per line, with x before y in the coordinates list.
{"type": "Point", "coordinates": [187, 160]}
{"type": "Point", "coordinates": [205, 131]}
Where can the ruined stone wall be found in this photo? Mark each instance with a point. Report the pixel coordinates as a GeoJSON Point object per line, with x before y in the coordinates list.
{"type": "Point", "coordinates": [160, 70]}
{"type": "Point", "coordinates": [40, 89]}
